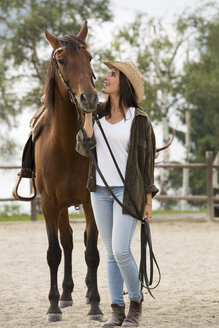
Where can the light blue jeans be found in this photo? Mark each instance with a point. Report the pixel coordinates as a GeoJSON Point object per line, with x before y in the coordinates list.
{"type": "Point", "coordinates": [116, 231]}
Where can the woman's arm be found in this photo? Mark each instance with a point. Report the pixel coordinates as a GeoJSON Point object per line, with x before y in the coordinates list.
{"type": "Point", "coordinates": [148, 176]}
{"type": "Point", "coordinates": [148, 171]}
{"type": "Point", "coordinates": [88, 125]}
{"type": "Point", "coordinates": [148, 207]}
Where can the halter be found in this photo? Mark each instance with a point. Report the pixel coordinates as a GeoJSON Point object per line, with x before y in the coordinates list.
{"type": "Point", "coordinates": [72, 96]}
{"type": "Point", "coordinates": [66, 84]}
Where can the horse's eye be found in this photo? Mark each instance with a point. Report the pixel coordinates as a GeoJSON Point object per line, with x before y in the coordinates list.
{"type": "Point", "coordinates": [90, 59]}
{"type": "Point", "coordinates": [60, 61]}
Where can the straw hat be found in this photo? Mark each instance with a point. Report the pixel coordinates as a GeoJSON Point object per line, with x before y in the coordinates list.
{"type": "Point", "coordinates": [130, 70]}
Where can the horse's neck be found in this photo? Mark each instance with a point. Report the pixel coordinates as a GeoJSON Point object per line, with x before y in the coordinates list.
{"type": "Point", "coordinates": [65, 122]}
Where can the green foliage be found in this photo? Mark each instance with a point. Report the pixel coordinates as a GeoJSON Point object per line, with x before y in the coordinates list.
{"type": "Point", "coordinates": [173, 185]}
{"type": "Point", "coordinates": [202, 85]}
{"type": "Point", "coordinates": [26, 217]}
{"type": "Point", "coordinates": [16, 216]}
{"type": "Point", "coordinates": [9, 210]}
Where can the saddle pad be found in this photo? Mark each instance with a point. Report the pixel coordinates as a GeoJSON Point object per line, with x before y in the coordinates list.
{"type": "Point", "coordinates": [36, 122]}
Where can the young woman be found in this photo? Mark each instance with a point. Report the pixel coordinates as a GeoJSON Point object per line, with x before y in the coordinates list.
{"type": "Point", "coordinates": [131, 138]}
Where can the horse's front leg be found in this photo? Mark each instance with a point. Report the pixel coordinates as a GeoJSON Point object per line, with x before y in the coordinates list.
{"type": "Point", "coordinates": [92, 260]}
{"type": "Point", "coordinates": [53, 258]}
{"type": "Point", "coordinates": [67, 244]}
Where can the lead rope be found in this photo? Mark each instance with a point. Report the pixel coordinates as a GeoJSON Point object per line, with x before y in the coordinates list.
{"type": "Point", "coordinates": [145, 228]}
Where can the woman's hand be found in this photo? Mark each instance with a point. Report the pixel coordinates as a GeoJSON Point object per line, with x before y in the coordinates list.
{"type": "Point", "coordinates": [148, 212]}
{"type": "Point", "coordinates": [148, 208]}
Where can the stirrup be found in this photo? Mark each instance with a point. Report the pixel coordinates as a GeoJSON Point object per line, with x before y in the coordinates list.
{"type": "Point", "coordinates": [15, 189]}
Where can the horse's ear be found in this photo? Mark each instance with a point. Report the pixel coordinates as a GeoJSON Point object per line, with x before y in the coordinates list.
{"type": "Point", "coordinates": [83, 32]}
{"type": "Point", "coordinates": [52, 39]}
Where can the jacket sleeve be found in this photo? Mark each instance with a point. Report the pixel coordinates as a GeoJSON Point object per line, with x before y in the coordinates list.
{"type": "Point", "coordinates": [148, 175]}
{"type": "Point", "coordinates": [80, 145]}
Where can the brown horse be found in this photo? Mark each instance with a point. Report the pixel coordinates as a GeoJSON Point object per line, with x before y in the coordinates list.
{"type": "Point", "coordinates": [61, 173]}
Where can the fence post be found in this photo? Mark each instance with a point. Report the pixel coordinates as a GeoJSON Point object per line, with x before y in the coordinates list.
{"type": "Point", "coordinates": [33, 206]}
{"type": "Point", "coordinates": [209, 184]}
{"type": "Point", "coordinates": [33, 210]}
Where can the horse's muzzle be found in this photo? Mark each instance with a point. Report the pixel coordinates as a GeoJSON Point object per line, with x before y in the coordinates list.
{"type": "Point", "coordinates": [88, 102]}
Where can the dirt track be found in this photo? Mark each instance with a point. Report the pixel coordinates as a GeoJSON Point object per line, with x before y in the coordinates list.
{"type": "Point", "coordinates": [188, 254]}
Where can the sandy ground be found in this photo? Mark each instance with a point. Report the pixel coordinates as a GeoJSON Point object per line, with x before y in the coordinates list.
{"type": "Point", "coordinates": [188, 296]}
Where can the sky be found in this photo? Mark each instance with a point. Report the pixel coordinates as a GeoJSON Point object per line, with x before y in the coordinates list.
{"type": "Point", "coordinates": [124, 12]}
{"type": "Point", "coordinates": [155, 8]}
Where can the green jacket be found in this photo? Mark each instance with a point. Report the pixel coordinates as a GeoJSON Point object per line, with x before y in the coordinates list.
{"type": "Point", "coordinates": [139, 175]}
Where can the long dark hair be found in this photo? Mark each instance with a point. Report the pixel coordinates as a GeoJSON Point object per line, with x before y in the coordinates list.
{"type": "Point", "coordinates": [127, 98]}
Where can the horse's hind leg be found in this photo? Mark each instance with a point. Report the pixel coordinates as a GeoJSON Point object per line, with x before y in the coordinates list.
{"type": "Point", "coordinates": [92, 259]}
{"type": "Point", "coordinates": [67, 244]}
{"type": "Point", "coordinates": [53, 258]}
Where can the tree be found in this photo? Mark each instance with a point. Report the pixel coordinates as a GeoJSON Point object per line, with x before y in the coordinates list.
{"type": "Point", "coordinates": [185, 177]}
{"type": "Point", "coordinates": [23, 49]}
{"type": "Point", "coordinates": [201, 82]}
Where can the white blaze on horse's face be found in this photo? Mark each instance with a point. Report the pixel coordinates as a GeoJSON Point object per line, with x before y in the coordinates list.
{"type": "Point", "coordinates": [111, 82]}
{"type": "Point", "coordinates": [73, 62]}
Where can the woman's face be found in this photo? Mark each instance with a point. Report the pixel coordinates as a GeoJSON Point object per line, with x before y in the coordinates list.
{"type": "Point", "coordinates": [111, 82]}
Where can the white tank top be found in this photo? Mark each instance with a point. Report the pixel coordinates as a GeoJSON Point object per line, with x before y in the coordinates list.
{"type": "Point", "coordinates": [118, 136]}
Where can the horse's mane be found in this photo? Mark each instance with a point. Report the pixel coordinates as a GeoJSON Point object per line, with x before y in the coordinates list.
{"type": "Point", "coordinates": [71, 43]}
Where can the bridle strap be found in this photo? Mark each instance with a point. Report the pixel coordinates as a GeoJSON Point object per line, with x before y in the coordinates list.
{"type": "Point", "coordinates": [72, 96]}
{"type": "Point", "coordinates": [66, 84]}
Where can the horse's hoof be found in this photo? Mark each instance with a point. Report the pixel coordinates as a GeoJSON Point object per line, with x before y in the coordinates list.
{"type": "Point", "coordinates": [53, 317]}
{"type": "Point", "coordinates": [64, 304]}
{"type": "Point", "coordinates": [96, 317]}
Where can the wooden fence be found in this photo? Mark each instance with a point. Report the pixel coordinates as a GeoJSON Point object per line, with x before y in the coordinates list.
{"type": "Point", "coordinates": [209, 198]}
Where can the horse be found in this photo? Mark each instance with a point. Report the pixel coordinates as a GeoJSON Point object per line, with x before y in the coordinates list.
{"type": "Point", "coordinates": [61, 173]}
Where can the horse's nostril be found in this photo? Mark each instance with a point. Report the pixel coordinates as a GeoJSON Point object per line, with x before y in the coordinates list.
{"type": "Point", "coordinates": [89, 100]}
{"type": "Point", "coordinates": [95, 98]}
{"type": "Point", "coordinates": [83, 98]}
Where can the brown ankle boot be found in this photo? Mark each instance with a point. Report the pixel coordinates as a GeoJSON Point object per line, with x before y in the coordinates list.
{"type": "Point", "coordinates": [134, 315]}
{"type": "Point", "coordinates": [118, 315]}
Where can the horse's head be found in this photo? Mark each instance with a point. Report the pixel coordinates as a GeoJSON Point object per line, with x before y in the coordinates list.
{"type": "Point", "coordinates": [71, 58]}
